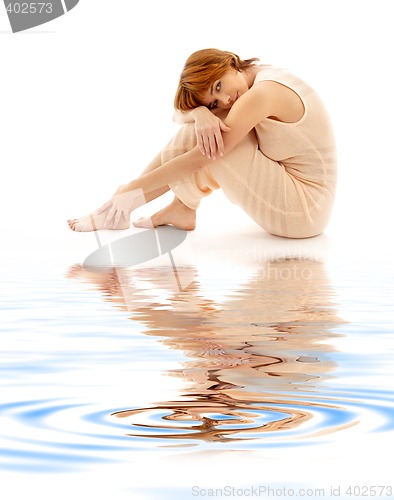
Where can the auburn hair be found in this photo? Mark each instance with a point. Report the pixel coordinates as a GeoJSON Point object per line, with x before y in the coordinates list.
{"type": "Point", "coordinates": [201, 69]}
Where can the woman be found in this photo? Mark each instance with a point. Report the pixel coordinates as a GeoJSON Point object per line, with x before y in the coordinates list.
{"type": "Point", "coordinates": [258, 132]}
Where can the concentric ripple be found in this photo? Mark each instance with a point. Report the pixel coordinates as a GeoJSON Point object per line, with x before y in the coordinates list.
{"type": "Point", "coordinates": [56, 435]}
{"type": "Point", "coordinates": [276, 421]}
{"type": "Point", "coordinates": [59, 435]}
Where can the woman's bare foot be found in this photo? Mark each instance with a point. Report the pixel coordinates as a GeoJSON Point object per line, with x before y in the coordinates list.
{"type": "Point", "coordinates": [94, 221]}
{"type": "Point", "coordinates": [175, 214]}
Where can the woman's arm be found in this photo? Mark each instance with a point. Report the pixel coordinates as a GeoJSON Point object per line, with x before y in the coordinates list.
{"type": "Point", "coordinates": [255, 105]}
{"type": "Point", "coordinates": [136, 193]}
{"type": "Point", "coordinates": [182, 117]}
{"type": "Point", "coordinates": [247, 111]}
{"type": "Point", "coordinates": [190, 115]}
{"type": "Point", "coordinates": [175, 169]}
{"type": "Point", "coordinates": [250, 109]}
{"type": "Point", "coordinates": [208, 127]}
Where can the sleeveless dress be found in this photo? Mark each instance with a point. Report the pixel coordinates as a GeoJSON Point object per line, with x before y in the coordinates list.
{"type": "Point", "coordinates": [283, 175]}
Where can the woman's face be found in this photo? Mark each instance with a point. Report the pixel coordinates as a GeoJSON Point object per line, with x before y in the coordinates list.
{"type": "Point", "coordinates": [225, 91]}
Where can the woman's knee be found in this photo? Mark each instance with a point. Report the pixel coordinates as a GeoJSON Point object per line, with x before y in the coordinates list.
{"type": "Point", "coordinates": [182, 142]}
{"type": "Point", "coordinates": [186, 136]}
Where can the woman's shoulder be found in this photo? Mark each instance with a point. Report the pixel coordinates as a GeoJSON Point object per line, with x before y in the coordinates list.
{"type": "Point", "coordinates": [285, 77]}
{"type": "Point", "coordinates": [269, 72]}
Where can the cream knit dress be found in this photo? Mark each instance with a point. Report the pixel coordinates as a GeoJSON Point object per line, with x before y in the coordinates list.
{"type": "Point", "coordinates": [283, 175]}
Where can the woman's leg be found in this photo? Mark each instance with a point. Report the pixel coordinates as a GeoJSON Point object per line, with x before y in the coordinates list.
{"type": "Point", "coordinates": [94, 221]}
{"type": "Point", "coordinates": [276, 200]}
{"type": "Point", "coordinates": [176, 213]}
{"type": "Point", "coordinates": [181, 212]}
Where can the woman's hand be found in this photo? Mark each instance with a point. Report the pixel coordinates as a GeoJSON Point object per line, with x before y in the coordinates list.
{"type": "Point", "coordinates": [209, 130]}
{"type": "Point", "coordinates": [120, 206]}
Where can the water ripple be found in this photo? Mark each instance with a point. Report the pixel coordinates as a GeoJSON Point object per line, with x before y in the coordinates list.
{"type": "Point", "coordinates": [55, 435]}
{"type": "Point", "coordinates": [272, 421]}
{"type": "Point", "coordinates": [270, 362]}
{"type": "Point", "coordinates": [51, 435]}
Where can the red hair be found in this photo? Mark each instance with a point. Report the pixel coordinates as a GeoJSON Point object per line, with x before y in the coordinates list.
{"type": "Point", "coordinates": [201, 69]}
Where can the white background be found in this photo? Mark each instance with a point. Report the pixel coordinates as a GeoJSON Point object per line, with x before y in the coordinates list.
{"type": "Point", "coordinates": [87, 102]}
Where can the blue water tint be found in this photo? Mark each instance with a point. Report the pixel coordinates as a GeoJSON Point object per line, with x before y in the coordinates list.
{"type": "Point", "coordinates": [267, 364]}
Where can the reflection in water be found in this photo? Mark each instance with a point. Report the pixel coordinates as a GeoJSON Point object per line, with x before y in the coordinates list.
{"type": "Point", "coordinates": [256, 357]}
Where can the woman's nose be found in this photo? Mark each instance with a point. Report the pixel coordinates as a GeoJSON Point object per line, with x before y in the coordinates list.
{"type": "Point", "coordinates": [226, 99]}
